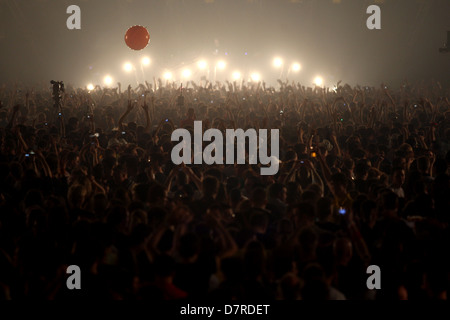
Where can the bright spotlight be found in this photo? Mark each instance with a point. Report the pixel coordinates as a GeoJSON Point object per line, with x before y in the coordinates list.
{"type": "Point", "coordinates": [128, 67]}
{"type": "Point", "coordinates": [186, 73]}
{"type": "Point", "coordinates": [236, 75]}
{"type": "Point", "coordinates": [221, 64]}
{"type": "Point", "coordinates": [296, 67]}
{"type": "Point", "coordinates": [167, 75]}
{"type": "Point", "coordinates": [202, 64]}
{"type": "Point", "coordinates": [318, 81]}
{"type": "Point", "coordinates": [107, 80]}
{"type": "Point", "coordinates": [90, 87]}
{"type": "Point", "coordinates": [255, 77]}
{"type": "Point", "coordinates": [277, 62]}
{"type": "Point", "coordinates": [145, 61]}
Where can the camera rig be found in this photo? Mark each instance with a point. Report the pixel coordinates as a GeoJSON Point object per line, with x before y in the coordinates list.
{"type": "Point", "coordinates": [58, 89]}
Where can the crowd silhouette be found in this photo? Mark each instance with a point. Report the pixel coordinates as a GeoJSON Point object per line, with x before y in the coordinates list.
{"type": "Point", "coordinates": [88, 180]}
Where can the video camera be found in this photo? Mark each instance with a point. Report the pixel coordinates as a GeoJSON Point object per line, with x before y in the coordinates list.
{"type": "Point", "coordinates": [58, 88]}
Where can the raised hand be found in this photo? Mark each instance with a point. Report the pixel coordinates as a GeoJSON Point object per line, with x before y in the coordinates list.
{"type": "Point", "coordinates": [145, 107]}
{"type": "Point", "coordinates": [130, 106]}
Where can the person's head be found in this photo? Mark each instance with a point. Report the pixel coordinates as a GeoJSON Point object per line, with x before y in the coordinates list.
{"type": "Point", "coordinates": [290, 155]}
{"type": "Point", "coordinates": [277, 191]}
{"type": "Point", "coordinates": [73, 123]}
{"type": "Point", "coordinates": [189, 247]}
{"type": "Point", "coordinates": [405, 150]}
{"type": "Point", "coordinates": [120, 173]}
{"type": "Point", "coordinates": [249, 183]}
{"type": "Point", "coordinates": [324, 209]}
{"type": "Point", "coordinates": [315, 286]}
{"type": "Point", "coordinates": [398, 177]}
{"type": "Point", "coordinates": [389, 203]}
{"type": "Point", "coordinates": [308, 241]}
{"type": "Point", "coordinates": [361, 170]}
{"type": "Point", "coordinates": [210, 187]}
{"type": "Point", "coordinates": [140, 192]}
{"type": "Point", "coordinates": [235, 197]}
{"type": "Point", "coordinates": [423, 165]}
{"type": "Point", "coordinates": [339, 184]}
{"type": "Point", "coordinates": [343, 251]}
{"type": "Point", "coordinates": [259, 198]}
{"type": "Point", "coordinates": [349, 164]}
{"type": "Point", "coordinates": [369, 212]}
{"type": "Point", "coordinates": [73, 160]}
{"type": "Point", "coordinates": [42, 117]}
{"type": "Point", "coordinates": [259, 222]}
{"type": "Point", "coordinates": [76, 196]}
{"type": "Point", "coordinates": [293, 192]}
{"type": "Point", "coordinates": [304, 214]}
{"type": "Point", "coordinates": [157, 194]}
{"type": "Point", "coordinates": [190, 113]}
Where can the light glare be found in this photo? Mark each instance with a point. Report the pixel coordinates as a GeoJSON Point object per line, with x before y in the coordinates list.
{"type": "Point", "coordinates": [202, 64]}
{"type": "Point", "coordinates": [128, 67]}
{"type": "Point", "coordinates": [236, 75]}
{"type": "Point", "coordinates": [90, 87]}
{"type": "Point", "coordinates": [221, 64]}
{"type": "Point", "coordinates": [108, 80]}
{"type": "Point", "coordinates": [186, 73]}
{"type": "Point", "coordinates": [277, 62]}
{"type": "Point", "coordinates": [318, 81]}
{"type": "Point", "coordinates": [296, 67]}
{"type": "Point", "coordinates": [145, 61]}
{"type": "Point", "coordinates": [255, 77]}
{"type": "Point", "coordinates": [167, 75]}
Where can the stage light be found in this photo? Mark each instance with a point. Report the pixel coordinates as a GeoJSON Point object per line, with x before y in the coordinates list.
{"type": "Point", "coordinates": [236, 75]}
{"type": "Point", "coordinates": [221, 64]}
{"type": "Point", "coordinates": [202, 64]}
{"type": "Point", "coordinates": [318, 81]}
{"type": "Point", "coordinates": [107, 80]}
{"type": "Point", "coordinates": [145, 61]}
{"type": "Point", "coordinates": [277, 62]}
{"type": "Point", "coordinates": [90, 87]}
{"type": "Point", "coordinates": [255, 77]}
{"type": "Point", "coordinates": [296, 67]}
{"type": "Point", "coordinates": [167, 75]}
{"type": "Point", "coordinates": [128, 67]}
{"type": "Point", "coordinates": [186, 73]}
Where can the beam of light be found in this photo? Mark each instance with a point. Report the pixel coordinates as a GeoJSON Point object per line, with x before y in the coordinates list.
{"type": "Point", "coordinates": [296, 67]}
{"type": "Point", "coordinates": [186, 73]}
{"type": "Point", "coordinates": [255, 77]}
{"type": "Point", "coordinates": [318, 81]}
{"type": "Point", "coordinates": [108, 80]}
{"type": "Point", "coordinates": [145, 61]}
{"type": "Point", "coordinates": [128, 67]}
{"type": "Point", "coordinates": [202, 64]}
{"type": "Point", "coordinates": [90, 87]}
{"type": "Point", "coordinates": [221, 64]}
{"type": "Point", "coordinates": [236, 75]}
{"type": "Point", "coordinates": [277, 62]}
{"type": "Point", "coordinates": [167, 75]}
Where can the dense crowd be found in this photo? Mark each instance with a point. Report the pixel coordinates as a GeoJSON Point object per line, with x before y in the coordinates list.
{"type": "Point", "coordinates": [88, 180]}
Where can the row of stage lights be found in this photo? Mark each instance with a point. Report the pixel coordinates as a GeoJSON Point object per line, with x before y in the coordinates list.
{"type": "Point", "coordinates": [203, 65]}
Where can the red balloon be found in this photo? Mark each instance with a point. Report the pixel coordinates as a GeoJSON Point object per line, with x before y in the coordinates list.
{"type": "Point", "coordinates": [137, 37]}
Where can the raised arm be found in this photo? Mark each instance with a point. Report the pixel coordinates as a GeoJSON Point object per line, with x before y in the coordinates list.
{"type": "Point", "coordinates": [130, 107]}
